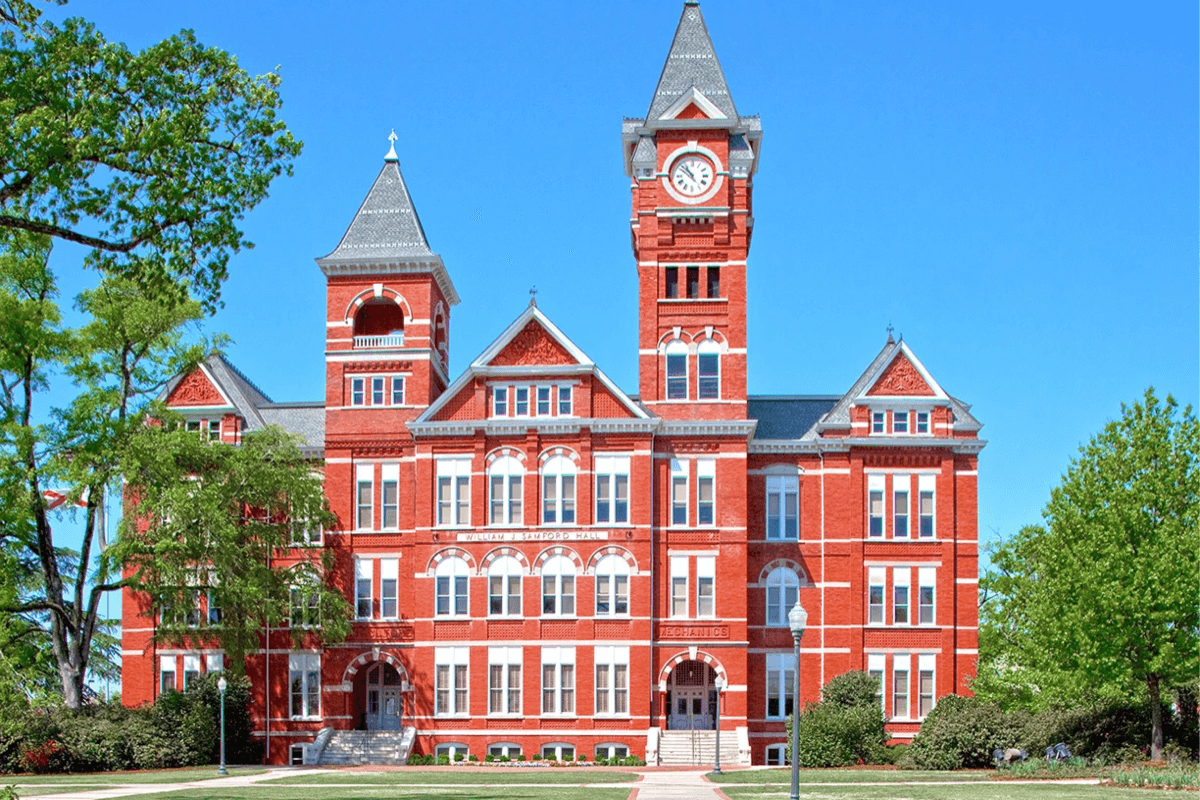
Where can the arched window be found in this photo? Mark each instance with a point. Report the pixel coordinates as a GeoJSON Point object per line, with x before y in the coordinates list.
{"type": "Point", "coordinates": [558, 491]}
{"type": "Point", "coordinates": [558, 586]}
{"type": "Point", "coordinates": [677, 378]}
{"type": "Point", "coordinates": [504, 587]}
{"type": "Point", "coordinates": [451, 576]}
{"type": "Point", "coordinates": [506, 479]}
{"type": "Point", "coordinates": [708, 370]}
{"type": "Point", "coordinates": [379, 317]}
{"type": "Point", "coordinates": [612, 586]}
{"type": "Point", "coordinates": [782, 589]}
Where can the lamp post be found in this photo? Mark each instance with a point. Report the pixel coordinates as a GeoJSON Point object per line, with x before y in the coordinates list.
{"type": "Point", "coordinates": [720, 684]}
{"type": "Point", "coordinates": [797, 619]}
{"type": "Point", "coordinates": [222, 685]}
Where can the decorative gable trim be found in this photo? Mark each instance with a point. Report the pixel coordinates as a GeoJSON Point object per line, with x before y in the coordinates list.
{"type": "Point", "coordinates": [900, 378]}
{"type": "Point", "coordinates": [199, 389]}
{"type": "Point", "coordinates": [695, 97]}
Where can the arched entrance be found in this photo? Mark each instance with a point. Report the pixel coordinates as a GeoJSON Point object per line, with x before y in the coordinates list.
{"type": "Point", "coordinates": [691, 698]}
{"type": "Point", "coordinates": [384, 704]}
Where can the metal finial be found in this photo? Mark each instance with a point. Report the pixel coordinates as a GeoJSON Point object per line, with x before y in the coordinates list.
{"type": "Point", "coordinates": [533, 296]}
{"type": "Point", "coordinates": [890, 329]}
{"type": "Point", "coordinates": [391, 154]}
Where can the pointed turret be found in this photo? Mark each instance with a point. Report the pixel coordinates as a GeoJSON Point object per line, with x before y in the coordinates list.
{"type": "Point", "coordinates": [692, 74]}
{"type": "Point", "coordinates": [386, 236]}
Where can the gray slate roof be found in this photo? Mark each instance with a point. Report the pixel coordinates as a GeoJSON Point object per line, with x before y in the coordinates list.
{"type": "Point", "coordinates": [787, 417]}
{"type": "Point", "coordinates": [691, 62]}
{"type": "Point", "coordinates": [305, 419]}
{"type": "Point", "coordinates": [386, 225]}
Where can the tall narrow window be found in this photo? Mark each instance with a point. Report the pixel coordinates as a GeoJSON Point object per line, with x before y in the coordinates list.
{"type": "Point", "coordinates": [358, 392]}
{"type": "Point", "coordinates": [925, 684]}
{"type": "Point", "coordinates": [706, 476]}
{"type": "Point", "coordinates": [504, 680]}
{"type": "Point", "coordinates": [364, 496]}
{"type": "Point", "coordinates": [679, 585]}
{"type": "Point", "coordinates": [377, 391]}
{"type": "Point", "coordinates": [451, 687]}
{"type": "Point", "coordinates": [191, 670]}
{"type": "Point", "coordinates": [714, 282]}
{"type": "Point", "coordinates": [706, 577]}
{"type": "Point", "coordinates": [612, 586]}
{"type": "Point", "coordinates": [166, 674]}
{"type": "Point", "coordinates": [543, 401]}
{"type": "Point", "coordinates": [901, 581]}
{"type": "Point", "coordinates": [390, 486]}
{"type": "Point", "coordinates": [672, 282]}
{"type": "Point", "coordinates": [397, 390]}
{"type": "Point", "coordinates": [612, 489]}
{"type": "Point", "coordinates": [922, 422]}
{"type": "Point", "coordinates": [875, 488]}
{"type": "Point", "coordinates": [506, 480]}
{"type": "Point", "coordinates": [612, 680]}
{"type": "Point", "coordinates": [305, 678]}
{"type": "Point", "coordinates": [900, 422]}
{"type": "Point", "coordinates": [875, 668]}
{"type": "Point", "coordinates": [783, 507]}
{"type": "Point", "coordinates": [564, 401]}
{"type": "Point", "coordinates": [558, 491]}
{"type": "Point", "coordinates": [901, 665]}
{"type": "Point", "coordinates": [522, 401]}
{"type": "Point", "coordinates": [500, 401]}
{"type": "Point", "coordinates": [558, 586]}
{"type": "Point", "coordinates": [677, 379]}
{"type": "Point", "coordinates": [451, 576]}
{"type": "Point", "coordinates": [900, 494]}
{"type": "Point", "coordinates": [878, 420]}
{"type": "Point", "coordinates": [708, 370]}
{"type": "Point", "coordinates": [782, 590]}
{"type": "Point", "coordinates": [679, 492]}
{"type": "Point", "coordinates": [925, 487]}
{"type": "Point", "coordinates": [781, 680]}
{"type": "Point", "coordinates": [876, 586]}
{"type": "Point", "coordinates": [504, 587]}
{"type": "Point", "coordinates": [454, 491]}
{"type": "Point", "coordinates": [389, 586]}
{"type": "Point", "coordinates": [693, 282]}
{"type": "Point", "coordinates": [364, 579]}
{"type": "Point", "coordinates": [214, 429]}
{"type": "Point", "coordinates": [926, 578]}
{"type": "Point", "coordinates": [558, 680]}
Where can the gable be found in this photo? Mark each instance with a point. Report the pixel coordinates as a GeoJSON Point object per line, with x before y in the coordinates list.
{"type": "Point", "coordinates": [533, 346]}
{"type": "Point", "coordinates": [692, 111]}
{"type": "Point", "coordinates": [195, 389]}
{"type": "Point", "coordinates": [605, 405]}
{"type": "Point", "coordinates": [900, 378]}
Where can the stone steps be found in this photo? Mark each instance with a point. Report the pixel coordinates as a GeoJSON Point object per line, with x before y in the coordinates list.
{"type": "Point", "coordinates": [354, 748]}
{"type": "Point", "coordinates": [696, 748]}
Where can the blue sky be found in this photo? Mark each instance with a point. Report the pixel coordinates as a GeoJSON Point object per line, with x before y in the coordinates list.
{"type": "Point", "coordinates": [1012, 186]}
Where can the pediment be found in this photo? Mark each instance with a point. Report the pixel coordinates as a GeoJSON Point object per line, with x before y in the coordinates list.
{"type": "Point", "coordinates": [692, 104]}
{"type": "Point", "coordinates": [197, 389]}
{"type": "Point", "coordinates": [533, 346]}
{"type": "Point", "coordinates": [900, 378]}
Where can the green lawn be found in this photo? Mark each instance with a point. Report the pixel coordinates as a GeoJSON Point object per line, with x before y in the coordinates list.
{"type": "Point", "coordinates": [460, 776]}
{"type": "Point", "coordinates": [141, 776]}
{"type": "Point", "coordinates": [389, 793]}
{"type": "Point", "coordinates": [37, 791]}
{"type": "Point", "coordinates": [975, 791]}
{"type": "Point", "coordinates": [784, 776]}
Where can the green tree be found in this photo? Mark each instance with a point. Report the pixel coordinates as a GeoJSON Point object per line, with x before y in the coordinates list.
{"type": "Point", "coordinates": [235, 524]}
{"type": "Point", "coordinates": [1101, 602]}
{"type": "Point", "coordinates": [149, 159]}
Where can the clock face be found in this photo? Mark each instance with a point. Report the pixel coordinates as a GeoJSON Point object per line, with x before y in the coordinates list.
{"type": "Point", "coordinates": [692, 175]}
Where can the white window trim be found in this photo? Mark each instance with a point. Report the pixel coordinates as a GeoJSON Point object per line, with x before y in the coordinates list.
{"type": "Point", "coordinates": [558, 657]}
{"type": "Point", "coordinates": [612, 466]}
{"type": "Point", "coordinates": [611, 657]}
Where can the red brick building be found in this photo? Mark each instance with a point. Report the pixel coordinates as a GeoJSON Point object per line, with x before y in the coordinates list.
{"type": "Point", "coordinates": [540, 563]}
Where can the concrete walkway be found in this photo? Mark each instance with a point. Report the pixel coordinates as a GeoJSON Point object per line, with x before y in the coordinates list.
{"type": "Point", "coordinates": [672, 785]}
{"type": "Point", "coordinates": [132, 789]}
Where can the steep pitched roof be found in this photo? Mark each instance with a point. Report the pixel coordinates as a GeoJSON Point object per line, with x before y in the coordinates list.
{"type": "Point", "coordinates": [386, 235]}
{"type": "Point", "coordinates": [787, 417]}
{"type": "Point", "coordinates": [691, 64]}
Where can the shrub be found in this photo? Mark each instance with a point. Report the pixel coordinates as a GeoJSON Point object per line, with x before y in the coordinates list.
{"type": "Point", "coordinates": [443, 760]}
{"type": "Point", "coordinates": [960, 733]}
{"type": "Point", "coordinates": [458, 757]}
{"type": "Point", "coordinates": [845, 727]}
{"type": "Point", "coordinates": [520, 758]}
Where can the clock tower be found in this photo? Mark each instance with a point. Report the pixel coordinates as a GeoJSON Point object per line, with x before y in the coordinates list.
{"type": "Point", "coordinates": [691, 162]}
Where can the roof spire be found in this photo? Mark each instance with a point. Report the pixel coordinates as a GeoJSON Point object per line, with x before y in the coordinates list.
{"type": "Point", "coordinates": [890, 329]}
{"type": "Point", "coordinates": [391, 153]}
{"type": "Point", "coordinates": [533, 296]}
{"type": "Point", "coordinates": [691, 64]}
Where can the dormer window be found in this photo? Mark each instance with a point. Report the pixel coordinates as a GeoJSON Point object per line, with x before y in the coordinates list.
{"type": "Point", "coordinates": [522, 401]}
{"type": "Point", "coordinates": [900, 422]}
{"type": "Point", "coordinates": [877, 422]}
{"type": "Point", "coordinates": [922, 422]}
{"type": "Point", "coordinates": [500, 401]}
{"type": "Point", "coordinates": [564, 401]}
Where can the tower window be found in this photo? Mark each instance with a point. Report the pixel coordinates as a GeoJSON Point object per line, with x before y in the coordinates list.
{"type": "Point", "coordinates": [677, 353]}
{"type": "Point", "coordinates": [672, 282]}
{"type": "Point", "coordinates": [708, 358]}
{"type": "Point", "coordinates": [714, 282]}
{"type": "Point", "coordinates": [693, 282]}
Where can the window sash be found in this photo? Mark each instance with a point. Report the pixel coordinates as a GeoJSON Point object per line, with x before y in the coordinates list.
{"type": "Point", "coordinates": [708, 378]}
{"type": "Point", "coordinates": [500, 401]}
{"type": "Point", "coordinates": [900, 707]}
{"type": "Point", "coordinates": [900, 514]}
{"type": "Point", "coordinates": [679, 499]}
{"type": "Point", "coordinates": [397, 391]}
{"type": "Point", "coordinates": [365, 501]}
{"type": "Point", "coordinates": [564, 401]}
{"type": "Point", "coordinates": [391, 505]}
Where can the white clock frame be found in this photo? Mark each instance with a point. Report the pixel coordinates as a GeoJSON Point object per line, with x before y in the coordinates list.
{"type": "Point", "coordinates": [693, 148]}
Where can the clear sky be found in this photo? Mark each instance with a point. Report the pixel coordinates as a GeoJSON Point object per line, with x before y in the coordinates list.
{"type": "Point", "coordinates": [1012, 185]}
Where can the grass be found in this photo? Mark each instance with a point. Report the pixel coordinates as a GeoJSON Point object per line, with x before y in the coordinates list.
{"type": "Point", "coordinates": [783, 777]}
{"type": "Point", "coordinates": [974, 791]}
{"type": "Point", "coordinates": [389, 793]}
{"type": "Point", "coordinates": [38, 791]}
{"type": "Point", "coordinates": [459, 776]}
{"type": "Point", "coordinates": [125, 778]}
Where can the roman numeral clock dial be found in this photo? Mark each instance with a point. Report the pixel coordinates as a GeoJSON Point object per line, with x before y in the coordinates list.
{"type": "Point", "coordinates": [692, 175]}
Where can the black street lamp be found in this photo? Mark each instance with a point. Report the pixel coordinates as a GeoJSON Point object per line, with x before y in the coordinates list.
{"type": "Point", "coordinates": [719, 682]}
{"type": "Point", "coordinates": [222, 685]}
{"type": "Point", "coordinates": [797, 620]}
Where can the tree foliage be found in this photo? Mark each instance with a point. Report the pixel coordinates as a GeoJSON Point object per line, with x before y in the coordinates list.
{"type": "Point", "coordinates": [1101, 602]}
{"type": "Point", "coordinates": [149, 159]}
{"type": "Point", "coordinates": [229, 525]}
{"type": "Point", "coordinates": [846, 726]}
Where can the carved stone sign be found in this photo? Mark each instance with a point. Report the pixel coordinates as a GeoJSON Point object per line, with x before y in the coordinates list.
{"type": "Point", "coordinates": [693, 632]}
{"type": "Point", "coordinates": [534, 536]}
